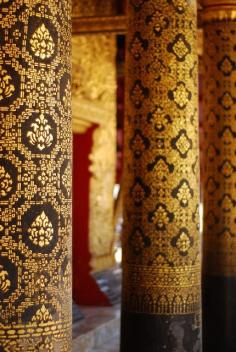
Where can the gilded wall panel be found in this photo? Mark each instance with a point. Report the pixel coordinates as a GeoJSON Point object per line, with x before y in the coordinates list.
{"type": "Point", "coordinates": [84, 8]}
{"type": "Point", "coordinates": [94, 102]}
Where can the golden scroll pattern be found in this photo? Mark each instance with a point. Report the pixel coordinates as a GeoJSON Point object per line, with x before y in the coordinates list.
{"type": "Point", "coordinates": [35, 160]}
{"type": "Point", "coordinates": [161, 236]}
{"type": "Point", "coordinates": [220, 135]}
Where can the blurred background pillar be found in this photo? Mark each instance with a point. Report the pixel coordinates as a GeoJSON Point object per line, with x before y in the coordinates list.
{"type": "Point", "coordinates": [161, 308]}
{"type": "Point", "coordinates": [219, 109]}
{"type": "Point", "coordinates": [94, 139]}
{"type": "Point", "coordinates": [35, 176]}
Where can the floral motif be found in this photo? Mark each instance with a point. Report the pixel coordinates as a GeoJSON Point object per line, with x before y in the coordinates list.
{"type": "Point", "coordinates": [161, 167]}
{"type": "Point", "coordinates": [226, 203]}
{"type": "Point", "coordinates": [139, 191]}
{"type": "Point", "coordinates": [5, 283]}
{"type": "Point", "coordinates": [183, 193]}
{"type": "Point", "coordinates": [138, 241]}
{"type": "Point", "coordinates": [180, 47]}
{"type": "Point", "coordinates": [161, 217]}
{"type": "Point", "coordinates": [42, 315]}
{"type": "Point", "coordinates": [159, 119]}
{"type": "Point", "coordinates": [42, 43]}
{"type": "Point", "coordinates": [227, 169]}
{"type": "Point", "coordinates": [41, 230]}
{"type": "Point", "coordinates": [183, 242]}
{"type": "Point", "coordinates": [139, 144]}
{"type": "Point", "coordinates": [182, 143]}
{"type": "Point", "coordinates": [159, 21]}
{"type": "Point", "coordinates": [212, 118]}
{"type": "Point", "coordinates": [226, 65]}
{"type": "Point", "coordinates": [41, 137]}
{"type": "Point", "coordinates": [181, 95]}
{"type": "Point", "coordinates": [6, 182]}
{"type": "Point", "coordinates": [226, 100]}
{"type": "Point", "coordinates": [138, 46]}
{"type": "Point", "coordinates": [6, 87]}
{"type": "Point", "coordinates": [179, 5]}
{"type": "Point", "coordinates": [138, 94]}
{"type": "Point", "coordinates": [212, 152]}
{"type": "Point", "coordinates": [42, 281]}
{"type": "Point", "coordinates": [211, 185]}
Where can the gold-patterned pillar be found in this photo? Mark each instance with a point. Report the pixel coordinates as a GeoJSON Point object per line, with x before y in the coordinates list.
{"type": "Point", "coordinates": [161, 263]}
{"type": "Point", "coordinates": [35, 176]}
{"type": "Point", "coordinates": [219, 107]}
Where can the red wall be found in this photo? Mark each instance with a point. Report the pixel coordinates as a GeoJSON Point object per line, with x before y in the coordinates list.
{"type": "Point", "coordinates": [85, 289]}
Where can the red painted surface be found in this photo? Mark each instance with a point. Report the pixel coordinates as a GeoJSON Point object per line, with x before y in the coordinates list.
{"type": "Point", "coordinates": [85, 289]}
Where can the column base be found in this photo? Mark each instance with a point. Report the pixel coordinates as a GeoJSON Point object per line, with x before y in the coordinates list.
{"type": "Point", "coordinates": [219, 314]}
{"type": "Point", "coordinates": [153, 333]}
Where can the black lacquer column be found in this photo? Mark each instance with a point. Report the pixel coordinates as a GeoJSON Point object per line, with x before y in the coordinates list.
{"type": "Point", "coordinates": [219, 98]}
{"type": "Point", "coordinates": [35, 176]}
{"type": "Point", "coordinates": [161, 308]}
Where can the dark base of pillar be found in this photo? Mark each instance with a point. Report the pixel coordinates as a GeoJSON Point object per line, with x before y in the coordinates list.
{"type": "Point", "coordinates": [152, 333]}
{"type": "Point", "coordinates": [219, 314]}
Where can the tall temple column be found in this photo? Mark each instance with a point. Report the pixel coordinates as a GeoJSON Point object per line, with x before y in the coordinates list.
{"type": "Point", "coordinates": [35, 176]}
{"type": "Point", "coordinates": [219, 94]}
{"type": "Point", "coordinates": [161, 263]}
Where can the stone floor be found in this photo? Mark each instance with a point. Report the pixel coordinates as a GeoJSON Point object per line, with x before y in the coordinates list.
{"type": "Point", "coordinates": [98, 331]}
{"type": "Point", "coordinates": [110, 346]}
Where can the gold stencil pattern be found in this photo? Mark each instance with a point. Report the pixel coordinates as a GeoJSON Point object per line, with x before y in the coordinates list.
{"type": "Point", "coordinates": [5, 283]}
{"type": "Point", "coordinates": [5, 182]}
{"type": "Point", "coordinates": [41, 230]}
{"type": "Point", "coordinates": [220, 135]}
{"type": "Point", "coordinates": [42, 43]}
{"type": "Point", "coordinates": [40, 134]}
{"type": "Point", "coordinates": [6, 86]}
{"type": "Point", "coordinates": [161, 232]}
{"type": "Point", "coordinates": [35, 153]}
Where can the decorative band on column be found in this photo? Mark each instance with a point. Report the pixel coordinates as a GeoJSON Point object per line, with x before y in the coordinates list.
{"type": "Point", "coordinates": [219, 107]}
{"type": "Point", "coordinates": [35, 176]}
{"type": "Point", "coordinates": [218, 10]}
{"type": "Point", "coordinates": [161, 263]}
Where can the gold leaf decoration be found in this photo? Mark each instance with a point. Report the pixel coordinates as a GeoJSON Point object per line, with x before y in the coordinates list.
{"type": "Point", "coordinates": [66, 180]}
{"type": "Point", "coordinates": [42, 315]}
{"type": "Point", "coordinates": [41, 137]}
{"type": "Point", "coordinates": [184, 193]}
{"type": "Point", "coordinates": [6, 182]}
{"type": "Point", "coordinates": [41, 231]}
{"type": "Point", "coordinates": [183, 243]}
{"type": "Point", "coordinates": [42, 43]}
{"type": "Point", "coordinates": [4, 281]}
{"type": "Point", "coordinates": [6, 86]}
